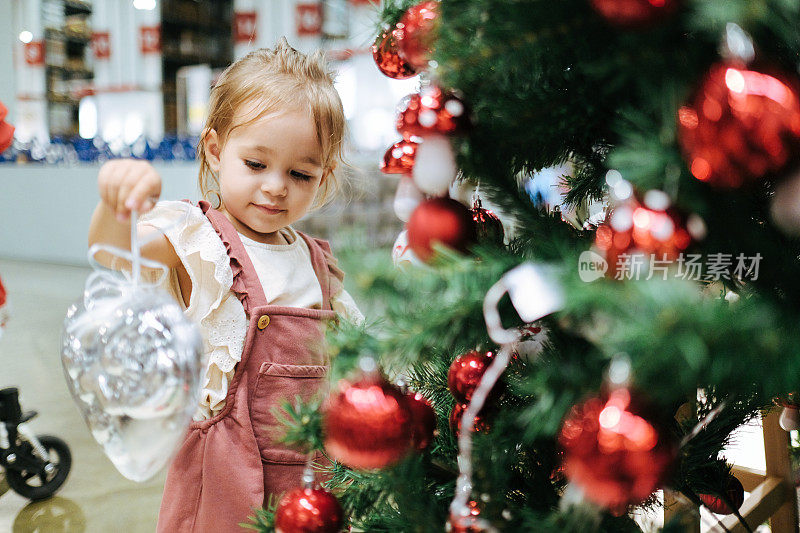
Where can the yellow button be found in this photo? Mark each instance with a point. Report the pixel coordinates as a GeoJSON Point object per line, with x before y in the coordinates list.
{"type": "Point", "coordinates": [263, 321]}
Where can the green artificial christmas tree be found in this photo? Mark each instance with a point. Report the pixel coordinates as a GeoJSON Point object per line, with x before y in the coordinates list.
{"type": "Point", "coordinates": [636, 340]}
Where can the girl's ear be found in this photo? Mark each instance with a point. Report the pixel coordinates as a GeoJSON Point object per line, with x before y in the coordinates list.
{"type": "Point", "coordinates": [212, 149]}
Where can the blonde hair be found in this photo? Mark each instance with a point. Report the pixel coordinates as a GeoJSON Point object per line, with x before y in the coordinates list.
{"type": "Point", "coordinates": [275, 80]}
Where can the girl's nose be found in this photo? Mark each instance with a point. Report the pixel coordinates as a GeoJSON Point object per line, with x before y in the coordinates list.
{"type": "Point", "coordinates": [274, 184]}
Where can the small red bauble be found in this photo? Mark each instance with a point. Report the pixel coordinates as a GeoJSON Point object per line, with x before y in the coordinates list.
{"type": "Point", "coordinates": [735, 493]}
{"type": "Point", "coordinates": [633, 13]}
{"type": "Point", "coordinates": [488, 226]}
{"type": "Point", "coordinates": [423, 420]}
{"type": "Point", "coordinates": [388, 59]}
{"type": "Point", "coordinates": [741, 126]}
{"type": "Point", "coordinates": [440, 220]}
{"type": "Point", "coordinates": [367, 424]}
{"type": "Point", "coordinates": [466, 372]}
{"type": "Point", "coordinates": [308, 511]}
{"type": "Point", "coordinates": [432, 111]}
{"type": "Point", "coordinates": [615, 449]}
{"type": "Point", "coordinates": [480, 425]}
{"type": "Point", "coordinates": [416, 33]}
{"type": "Point", "coordinates": [650, 228]}
{"type": "Point", "coordinates": [399, 159]}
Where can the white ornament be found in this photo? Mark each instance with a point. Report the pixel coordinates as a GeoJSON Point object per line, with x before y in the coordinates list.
{"type": "Point", "coordinates": [407, 198]}
{"type": "Point", "coordinates": [402, 254]}
{"type": "Point", "coordinates": [785, 208]}
{"type": "Point", "coordinates": [434, 165]}
{"type": "Point", "coordinates": [531, 342]}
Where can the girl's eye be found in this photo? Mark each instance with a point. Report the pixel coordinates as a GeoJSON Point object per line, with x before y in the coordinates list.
{"type": "Point", "coordinates": [254, 165]}
{"type": "Point", "coordinates": [300, 175]}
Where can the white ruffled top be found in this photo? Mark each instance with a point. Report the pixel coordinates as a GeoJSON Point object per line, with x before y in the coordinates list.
{"type": "Point", "coordinates": [285, 271]}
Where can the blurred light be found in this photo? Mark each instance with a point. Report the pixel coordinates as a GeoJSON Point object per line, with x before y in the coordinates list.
{"type": "Point", "coordinates": [87, 118]}
{"type": "Point", "coordinates": [134, 128]}
{"type": "Point", "coordinates": [25, 36]}
{"type": "Point", "coordinates": [346, 87]}
{"type": "Point", "coordinates": [734, 80]}
{"type": "Point", "coordinates": [144, 5]}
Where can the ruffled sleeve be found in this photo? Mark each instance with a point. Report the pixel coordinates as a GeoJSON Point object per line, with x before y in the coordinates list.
{"type": "Point", "coordinates": [341, 301]}
{"type": "Point", "coordinates": [212, 305]}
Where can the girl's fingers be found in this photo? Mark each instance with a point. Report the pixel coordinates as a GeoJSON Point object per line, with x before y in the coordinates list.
{"type": "Point", "coordinates": [143, 195]}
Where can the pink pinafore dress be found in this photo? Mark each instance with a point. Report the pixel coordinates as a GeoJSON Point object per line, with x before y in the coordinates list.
{"type": "Point", "coordinates": [228, 465]}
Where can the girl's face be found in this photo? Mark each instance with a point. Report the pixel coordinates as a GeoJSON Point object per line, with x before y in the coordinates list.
{"type": "Point", "coordinates": [269, 171]}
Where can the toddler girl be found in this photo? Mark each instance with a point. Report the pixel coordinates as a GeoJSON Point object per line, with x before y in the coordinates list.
{"type": "Point", "coordinates": [260, 291]}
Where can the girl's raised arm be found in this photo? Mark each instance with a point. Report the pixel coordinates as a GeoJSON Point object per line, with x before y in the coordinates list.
{"type": "Point", "coordinates": [124, 185]}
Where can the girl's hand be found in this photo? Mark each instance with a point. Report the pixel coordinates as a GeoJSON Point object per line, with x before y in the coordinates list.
{"type": "Point", "coordinates": [128, 184]}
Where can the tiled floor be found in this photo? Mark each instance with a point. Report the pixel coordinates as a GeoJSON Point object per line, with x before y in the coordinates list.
{"type": "Point", "coordinates": [95, 498]}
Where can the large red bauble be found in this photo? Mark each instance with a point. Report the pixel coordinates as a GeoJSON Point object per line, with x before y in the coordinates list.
{"type": "Point", "coordinates": [367, 424]}
{"type": "Point", "coordinates": [440, 220]}
{"type": "Point", "coordinates": [735, 493]}
{"type": "Point", "coordinates": [633, 13]}
{"type": "Point", "coordinates": [466, 372]}
{"type": "Point", "coordinates": [423, 420]}
{"type": "Point", "coordinates": [616, 450]}
{"type": "Point", "coordinates": [399, 159]}
{"type": "Point", "coordinates": [308, 511]}
{"type": "Point", "coordinates": [480, 425]}
{"type": "Point", "coordinates": [416, 33]}
{"type": "Point", "coordinates": [741, 126]}
{"type": "Point", "coordinates": [388, 59]}
{"type": "Point", "coordinates": [658, 232]}
{"type": "Point", "coordinates": [432, 111]}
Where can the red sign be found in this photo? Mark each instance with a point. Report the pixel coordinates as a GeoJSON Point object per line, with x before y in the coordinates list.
{"type": "Point", "coordinates": [34, 53]}
{"type": "Point", "coordinates": [309, 19]}
{"type": "Point", "coordinates": [150, 39]}
{"type": "Point", "coordinates": [244, 26]}
{"type": "Point", "coordinates": [101, 45]}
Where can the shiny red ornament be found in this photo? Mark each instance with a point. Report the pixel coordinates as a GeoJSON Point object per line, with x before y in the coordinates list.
{"type": "Point", "coordinates": [367, 424]}
{"type": "Point", "coordinates": [488, 226]}
{"type": "Point", "coordinates": [443, 221]}
{"type": "Point", "coordinates": [6, 129]}
{"type": "Point", "coordinates": [634, 13]}
{"type": "Point", "coordinates": [308, 511]}
{"type": "Point", "coordinates": [741, 126]}
{"type": "Point", "coordinates": [466, 372]}
{"type": "Point", "coordinates": [416, 33]}
{"type": "Point", "coordinates": [735, 493]}
{"type": "Point", "coordinates": [652, 229]}
{"type": "Point", "coordinates": [616, 450]}
{"type": "Point", "coordinates": [423, 420]}
{"type": "Point", "coordinates": [388, 58]}
{"type": "Point", "coordinates": [481, 424]}
{"type": "Point", "coordinates": [430, 111]}
{"type": "Point", "coordinates": [399, 159]}
{"type": "Point", "coordinates": [470, 523]}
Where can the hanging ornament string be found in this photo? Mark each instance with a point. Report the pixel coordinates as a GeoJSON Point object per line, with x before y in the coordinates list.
{"type": "Point", "coordinates": [135, 250]}
{"type": "Point", "coordinates": [534, 293]}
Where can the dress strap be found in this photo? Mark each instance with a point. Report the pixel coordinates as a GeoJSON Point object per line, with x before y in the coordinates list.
{"type": "Point", "coordinates": [246, 284]}
{"type": "Point", "coordinates": [329, 275]}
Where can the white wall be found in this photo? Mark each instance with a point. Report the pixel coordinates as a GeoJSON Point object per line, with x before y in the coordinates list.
{"type": "Point", "coordinates": [46, 210]}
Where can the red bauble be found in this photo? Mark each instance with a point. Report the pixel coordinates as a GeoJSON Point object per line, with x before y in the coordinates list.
{"type": "Point", "coordinates": [440, 220]}
{"type": "Point", "coordinates": [633, 13]}
{"type": "Point", "coordinates": [388, 59]}
{"type": "Point", "coordinates": [488, 226]}
{"type": "Point", "coordinates": [416, 33]}
{"type": "Point", "coordinates": [650, 228]}
{"type": "Point", "coordinates": [399, 159]}
{"type": "Point", "coordinates": [367, 424]}
{"type": "Point", "coordinates": [466, 372]}
{"type": "Point", "coordinates": [616, 450]}
{"type": "Point", "coordinates": [433, 111]}
{"type": "Point", "coordinates": [308, 511]}
{"type": "Point", "coordinates": [480, 425]}
{"type": "Point", "coordinates": [735, 493]}
{"type": "Point", "coordinates": [423, 420]}
{"type": "Point", "coordinates": [741, 126]}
